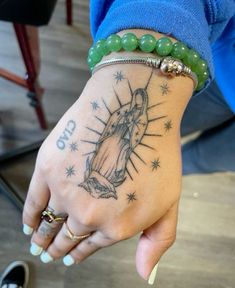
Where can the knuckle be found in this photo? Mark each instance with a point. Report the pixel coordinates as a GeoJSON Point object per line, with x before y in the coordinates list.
{"type": "Point", "coordinates": [168, 242]}
{"type": "Point", "coordinates": [87, 219]}
{"type": "Point", "coordinates": [55, 251]}
{"type": "Point", "coordinates": [29, 217]}
{"type": "Point", "coordinates": [121, 232]}
{"type": "Point", "coordinates": [78, 255]}
{"type": "Point", "coordinates": [32, 203]}
{"type": "Point", "coordinates": [40, 241]}
{"type": "Point", "coordinates": [91, 243]}
{"type": "Point", "coordinates": [44, 160]}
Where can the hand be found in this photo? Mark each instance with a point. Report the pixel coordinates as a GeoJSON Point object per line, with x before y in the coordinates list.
{"type": "Point", "coordinates": [112, 164]}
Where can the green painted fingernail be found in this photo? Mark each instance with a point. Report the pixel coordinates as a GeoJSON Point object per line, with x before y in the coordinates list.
{"type": "Point", "coordinates": [45, 257]}
{"type": "Point", "coordinates": [68, 260]}
{"type": "Point", "coordinates": [27, 229]}
{"type": "Point", "coordinates": [35, 250]}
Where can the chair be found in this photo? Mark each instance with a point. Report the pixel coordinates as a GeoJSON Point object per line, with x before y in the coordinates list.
{"type": "Point", "coordinates": [34, 13]}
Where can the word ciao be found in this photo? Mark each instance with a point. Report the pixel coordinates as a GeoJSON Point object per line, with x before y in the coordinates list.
{"type": "Point", "coordinates": [67, 133]}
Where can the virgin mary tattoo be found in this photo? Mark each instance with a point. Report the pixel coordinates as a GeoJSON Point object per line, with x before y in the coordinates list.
{"type": "Point", "coordinates": [124, 130]}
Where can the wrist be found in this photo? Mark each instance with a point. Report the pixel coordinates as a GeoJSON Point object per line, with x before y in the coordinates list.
{"type": "Point", "coordinates": [156, 49]}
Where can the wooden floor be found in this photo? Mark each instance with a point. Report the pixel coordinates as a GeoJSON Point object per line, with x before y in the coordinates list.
{"type": "Point", "coordinates": [204, 254]}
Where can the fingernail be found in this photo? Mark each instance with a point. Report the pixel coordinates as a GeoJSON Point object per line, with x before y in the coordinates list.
{"type": "Point", "coordinates": [45, 257]}
{"type": "Point", "coordinates": [35, 250]}
{"type": "Point", "coordinates": [68, 260]}
{"type": "Point", "coordinates": [27, 229]}
{"type": "Point", "coordinates": [153, 274]}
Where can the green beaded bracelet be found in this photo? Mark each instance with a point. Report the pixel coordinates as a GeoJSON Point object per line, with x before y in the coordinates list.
{"type": "Point", "coordinates": [149, 44]}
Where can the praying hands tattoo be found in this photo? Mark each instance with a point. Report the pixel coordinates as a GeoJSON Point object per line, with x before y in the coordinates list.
{"type": "Point", "coordinates": [124, 130]}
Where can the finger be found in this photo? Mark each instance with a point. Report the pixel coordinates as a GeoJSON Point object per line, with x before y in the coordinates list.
{"type": "Point", "coordinates": [154, 242]}
{"type": "Point", "coordinates": [43, 236]}
{"type": "Point", "coordinates": [62, 243]}
{"type": "Point", "coordinates": [36, 201]}
{"type": "Point", "coordinates": [86, 248]}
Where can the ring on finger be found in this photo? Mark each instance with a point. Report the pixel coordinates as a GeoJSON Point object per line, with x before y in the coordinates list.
{"type": "Point", "coordinates": [51, 223]}
{"type": "Point", "coordinates": [48, 216]}
{"type": "Point", "coordinates": [73, 236]}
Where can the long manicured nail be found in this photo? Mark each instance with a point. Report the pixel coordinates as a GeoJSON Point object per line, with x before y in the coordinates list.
{"type": "Point", "coordinates": [27, 229]}
{"type": "Point", "coordinates": [35, 250]}
{"type": "Point", "coordinates": [153, 274]}
{"type": "Point", "coordinates": [68, 260]}
{"type": "Point", "coordinates": [45, 257]}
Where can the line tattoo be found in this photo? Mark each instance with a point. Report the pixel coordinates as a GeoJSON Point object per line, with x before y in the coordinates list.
{"type": "Point", "coordinates": [73, 146]}
{"type": "Point", "coordinates": [47, 230]}
{"type": "Point", "coordinates": [165, 89]}
{"type": "Point", "coordinates": [70, 171]}
{"type": "Point", "coordinates": [110, 161]}
{"type": "Point", "coordinates": [66, 134]}
{"type": "Point", "coordinates": [168, 125]}
{"type": "Point", "coordinates": [95, 105]}
{"type": "Point", "coordinates": [155, 164]}
{"type": "Point", "coordinates": [118, 76]}
{"type": "Point", "coordinates": [131, 197]}
{"type": "Point", "coordinates": [93, 130]}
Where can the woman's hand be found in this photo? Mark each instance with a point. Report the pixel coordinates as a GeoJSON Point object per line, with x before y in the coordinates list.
{"type": "Point", "coordinates": [112, 165]}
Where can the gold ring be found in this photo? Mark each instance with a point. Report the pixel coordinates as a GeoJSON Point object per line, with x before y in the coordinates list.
{"type": "Point", "coordinates": [48, 216]}
{"type": "Point", "coordinates": [74, 237]}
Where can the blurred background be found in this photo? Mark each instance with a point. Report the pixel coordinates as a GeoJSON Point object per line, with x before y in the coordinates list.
{"type": "Point", "coordinates": [204, 253]}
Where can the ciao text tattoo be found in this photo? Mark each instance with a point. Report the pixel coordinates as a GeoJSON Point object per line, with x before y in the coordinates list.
{"type": "Point", "coordinates": [62, 141]}
{"type": "Point", "coordinates": [118, 76]}
{"type": "Point", "coordinates": [113, 157]}
{"type": "Point", "coordinates": [131, 197]}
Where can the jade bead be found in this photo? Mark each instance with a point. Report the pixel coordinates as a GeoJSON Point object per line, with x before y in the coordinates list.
{"type": "Point", "coordinates": [93, 54]}
{"type": "Point", "coordinates": [90, 62]}
{"type": "Point", "coordinates": [147, 43]}
{"type": "Point", "coordinates": [191, 58]}
{"type": "Point", "coordinates": [200, 85]}
{"type": "Point", "coordinates": [129, 42]}
{"type": "Point", "coordinates": [113, 43]}
{"type": "Point", "coordinates": [200, 67]}
{"type": "Point", "coordinates": [101, 48]}
{"type": "Point", "coordinates": [179, 50]}
{"type": "Point", "coordinates": [203, 76]}
{"type": "Point", "coordinates": [164, 46]}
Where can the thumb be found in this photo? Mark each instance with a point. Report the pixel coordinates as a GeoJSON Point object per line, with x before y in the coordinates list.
{"type": "Point", "coordinates": [154, 241]}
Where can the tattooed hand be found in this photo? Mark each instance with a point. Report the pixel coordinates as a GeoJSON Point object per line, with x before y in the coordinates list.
{"type": "Point", "coordinates": [112, 164]}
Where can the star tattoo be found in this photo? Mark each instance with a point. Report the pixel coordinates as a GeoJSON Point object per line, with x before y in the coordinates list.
{"type": "Point", "coordinates": [95, 105]}
{"type": "Point", "coordinates": [155, 164]}
{"type": "Point", "coordinates": [168, 125]}
{"type": "Point", "coordinates": [118, 76]}
{"type": "Point", "coordinates": [165, 89]}
{"type": "Point", "coordinates": [70, 171]}
{"type": "Point", "coordinates": [73, 147]}
{"type": "Point", "coordinates": [131, 197]}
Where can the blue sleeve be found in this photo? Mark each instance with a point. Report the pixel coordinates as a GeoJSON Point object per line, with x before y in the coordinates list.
{"type": "Point", "coordinates": [197, 23]}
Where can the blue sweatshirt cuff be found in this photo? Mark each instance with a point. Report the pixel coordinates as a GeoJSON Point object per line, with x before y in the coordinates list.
{"type": "Point", "coordinates": [186, 23]}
